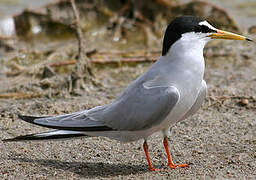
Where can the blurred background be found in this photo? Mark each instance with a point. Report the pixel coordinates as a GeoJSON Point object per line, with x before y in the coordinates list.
{"type": "Point", "coordinates": [243, 11]}
{"type": "Point", "coordinates": [39, 43]}
{"type": "Point", "coordinates": [39, 59]}
{"type": "Point", "coordinates": [8, 8]}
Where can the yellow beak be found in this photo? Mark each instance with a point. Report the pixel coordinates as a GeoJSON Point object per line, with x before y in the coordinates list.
{"type": "Point", "coordinates": [227, 35]}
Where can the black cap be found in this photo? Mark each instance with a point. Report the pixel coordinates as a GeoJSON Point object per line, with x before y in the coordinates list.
{"type": "Point", "coordinates": [181, 25]}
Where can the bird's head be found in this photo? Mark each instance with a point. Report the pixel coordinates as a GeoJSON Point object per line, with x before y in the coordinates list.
{"type": "Point", "coordinates": [194, 30]}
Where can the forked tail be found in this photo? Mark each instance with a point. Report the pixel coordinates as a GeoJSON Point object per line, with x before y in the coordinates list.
{"type": "Point", "coordinates": [50, 135]}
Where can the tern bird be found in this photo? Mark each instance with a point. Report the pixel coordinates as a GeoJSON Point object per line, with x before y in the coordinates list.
{"type": "Point", "coordinates": [170, 91]}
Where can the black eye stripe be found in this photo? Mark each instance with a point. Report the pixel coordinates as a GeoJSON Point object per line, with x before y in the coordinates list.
{"type": "Point", "coordinates": [206, 29]}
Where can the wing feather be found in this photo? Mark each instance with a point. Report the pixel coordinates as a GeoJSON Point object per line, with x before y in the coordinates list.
{"type": "Point", "coordinates": [141, 108]}
{"type": "Point", "coordinates": [78, 121]}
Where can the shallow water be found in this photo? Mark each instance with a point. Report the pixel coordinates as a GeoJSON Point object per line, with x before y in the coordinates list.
{"type": "Point", "coordinates": [11, 7]}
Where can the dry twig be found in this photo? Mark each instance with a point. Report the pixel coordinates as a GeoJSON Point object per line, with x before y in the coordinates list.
{"type": "Point", "coordinates": [82, 71]}
{"type": "Point", "coordinates": [63, 63]}
{"type": "Point", "coordinates": [19, 95]}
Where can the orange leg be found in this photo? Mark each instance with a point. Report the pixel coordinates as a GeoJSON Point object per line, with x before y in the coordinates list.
{"type": "Point", "coordinates": [170, 162]}
{"type": "Point", "coordinates": [151, 167]}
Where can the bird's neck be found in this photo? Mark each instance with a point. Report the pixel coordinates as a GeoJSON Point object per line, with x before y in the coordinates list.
{"type": "Point", "coordinates": [185, 58]}
{"type": "Point", "coordinates": [188, 46]}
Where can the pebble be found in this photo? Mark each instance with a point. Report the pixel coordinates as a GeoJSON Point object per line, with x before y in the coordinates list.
{"type": "Point", "coordinates": [244, 102]}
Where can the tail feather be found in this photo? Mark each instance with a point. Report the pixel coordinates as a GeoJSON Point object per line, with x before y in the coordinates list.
{"type": "Point", "coordinates": [50, 135]}
{"type": "Point", "coordinates": [66, 126]}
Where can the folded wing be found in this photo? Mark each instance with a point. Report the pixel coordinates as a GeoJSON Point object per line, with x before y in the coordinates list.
{"type": "Point", "coordinates": [141, 108]}
{"type": "Point", "coordinates": [78, 121]}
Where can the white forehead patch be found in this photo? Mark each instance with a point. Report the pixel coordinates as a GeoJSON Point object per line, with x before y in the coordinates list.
{"type": "Point", "coordinates": [207, 24]}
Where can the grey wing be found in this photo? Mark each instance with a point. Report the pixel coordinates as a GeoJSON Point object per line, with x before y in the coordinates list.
{"type": "Point", "coordinates": [199, 101]}
{"type": "Point", "coordinates": [78, 121]}
{"type": "Point", "coordinates": [138, 108]}
{"type": "Point", "coordinates": [141, 108]}
{"type": "Point", "coordinates": [142, 105]}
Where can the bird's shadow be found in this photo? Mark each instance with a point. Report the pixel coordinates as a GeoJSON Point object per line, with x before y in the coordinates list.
{"type": "Point", "coordinates": [89, 169]}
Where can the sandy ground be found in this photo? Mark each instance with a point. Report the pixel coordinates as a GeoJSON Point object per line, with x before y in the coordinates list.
{"type": "Point", "coordinates": [219, 142]}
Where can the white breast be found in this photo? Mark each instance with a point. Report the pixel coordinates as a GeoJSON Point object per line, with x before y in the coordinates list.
{"type": "Point", "coordinates": [186, 70]}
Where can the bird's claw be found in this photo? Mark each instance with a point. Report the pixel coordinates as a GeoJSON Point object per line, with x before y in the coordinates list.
{"type": "Point", "coordinates": [173, 166]}
{"type": "Point", "coordinates": [155, 169]}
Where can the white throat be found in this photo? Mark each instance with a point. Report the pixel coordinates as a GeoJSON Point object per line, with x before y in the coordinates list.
{"type": "Point", "coordinates": [189, 44]}
{"type": "Point", "coordinates": [186, 57]}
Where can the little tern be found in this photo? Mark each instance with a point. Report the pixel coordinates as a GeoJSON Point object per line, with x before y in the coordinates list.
{"type": "Point", "coordinates": [170, 91]}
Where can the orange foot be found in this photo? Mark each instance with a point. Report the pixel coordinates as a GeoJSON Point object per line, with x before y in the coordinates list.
{"type": "Point", "coordinates": [155, 169]}
{"type": "Point", "coordinates": [170, 162]}
{"type": "Point", "coordinates": [173, 166]}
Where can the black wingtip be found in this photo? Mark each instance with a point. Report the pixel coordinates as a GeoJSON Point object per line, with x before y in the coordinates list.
{"type": "Point", "coordinates": [27, 118]}
{"type": "Point", "coordinates": [30, 119]}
